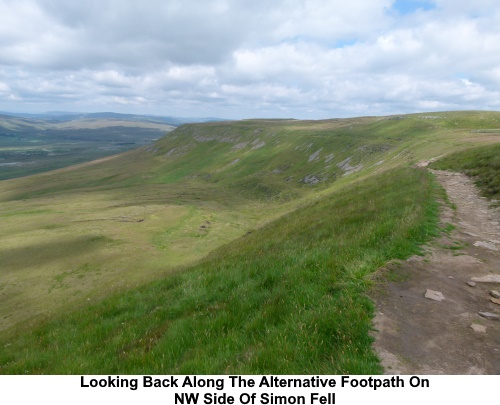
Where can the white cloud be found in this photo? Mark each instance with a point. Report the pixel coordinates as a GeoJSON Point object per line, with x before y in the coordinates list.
{"type": "Point", "coordinates": [112, 78]}
{"type": "Point", "coordinates": [4, 88]}
{"type": "Point", "coordinates": [329, 20]}
{"type": "Point", "coordinates": [306, 58]}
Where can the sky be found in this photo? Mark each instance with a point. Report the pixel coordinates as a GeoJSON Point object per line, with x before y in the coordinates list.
{"type": "Point", "coordinates": [306, 59]}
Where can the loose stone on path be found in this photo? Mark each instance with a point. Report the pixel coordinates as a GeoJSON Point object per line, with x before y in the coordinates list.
{"type": "Point", "coordinates": [471, 283]}
{"type": "Point", "coordinates": [434, 295]}
{"type": "Point", "coordinates": [495, 293]}
{"type": "Point", "coordinates": [490, 278]}
{"type": "Point", "coordinates": [489, 315]}
{"type": "Point", "coordinates": [486, 245]}
{"type": "Point", "coordinates": [475, 235]}
{"type": "Point", "coordinates": [478, 328]}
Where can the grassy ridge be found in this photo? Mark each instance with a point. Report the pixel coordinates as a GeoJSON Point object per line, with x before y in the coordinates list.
{"type": "Point", "coordinates": [273, 159]}
{"type": "Point", "coordinates": [483, 164]}
{"type": "Point", "coordinates": [287, 298]}
{"type": "Point", "coordinates": [165, 206]}
{"type": "Point", "coordinates": [78, 235]}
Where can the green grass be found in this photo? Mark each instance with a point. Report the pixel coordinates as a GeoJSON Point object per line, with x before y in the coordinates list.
{"type": "Point", "coordinates": [483, 164]}
{"type": "Point", "coordinates": [77, 244]}
{"type": "Point", "coordinates": [132, 235]}
{"type": "Point", "coordinates": [448, 228]}
{"type": "Point", "coordinates": [288, 298]}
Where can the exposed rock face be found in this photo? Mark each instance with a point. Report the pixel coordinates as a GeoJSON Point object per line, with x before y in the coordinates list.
{"type": "Point", "coordinates": [314, 156]}
{"type": "Point", "coordinates": [240, 145]}
{"type": "Point", "coordinates": [257, 144]}
{"type": "Point", "coordinates": [329, 158]}
{"type": "Point", "coordinates": [311, 179]}
{"type": "Point", "coordinates": [345, 165]}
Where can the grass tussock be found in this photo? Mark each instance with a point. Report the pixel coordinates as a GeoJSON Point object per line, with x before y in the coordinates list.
{"type": "Point", "coordinates": [288, 298]}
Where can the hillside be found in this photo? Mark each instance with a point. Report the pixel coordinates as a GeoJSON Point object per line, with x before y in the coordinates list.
{"type": "Point", "coordinates": [165, 241]}
{"type": "Point", "coordinates": [34, 144]}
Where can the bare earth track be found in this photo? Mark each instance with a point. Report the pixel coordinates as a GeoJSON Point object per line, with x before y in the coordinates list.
{"type": "Point", "coordinates": [417, 335]}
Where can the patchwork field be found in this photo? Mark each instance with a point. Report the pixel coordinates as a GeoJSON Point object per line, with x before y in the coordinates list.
{"type": "Point", "coordinates": [30, 145]}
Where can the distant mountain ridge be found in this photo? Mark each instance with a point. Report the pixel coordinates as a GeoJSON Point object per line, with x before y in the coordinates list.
{"type": "Point", "coordinates": [32, 143]}
{"type": "Point", "coordinates": [62, 116]}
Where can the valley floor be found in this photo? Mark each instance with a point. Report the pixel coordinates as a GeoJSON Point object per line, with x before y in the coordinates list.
{"type": "Point", "coordinates": [417, 335]}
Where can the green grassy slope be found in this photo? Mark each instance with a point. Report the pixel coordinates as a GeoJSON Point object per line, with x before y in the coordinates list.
{"type": "Point", "coordinates": [323, 204]}
{"type": "Point", "coordinates": [287, 298]}
{"type": "Point", "coordinates": [264, 158]}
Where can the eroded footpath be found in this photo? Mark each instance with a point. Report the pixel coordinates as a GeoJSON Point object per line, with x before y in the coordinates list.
{"type": "Point", "coordinates": [444, 333]}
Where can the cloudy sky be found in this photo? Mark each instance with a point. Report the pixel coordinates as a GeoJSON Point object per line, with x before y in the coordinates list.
{"type": "Point", "coordinates": [250, 58]}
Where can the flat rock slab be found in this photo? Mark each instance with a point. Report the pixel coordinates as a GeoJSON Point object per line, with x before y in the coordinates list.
{"type": "Point", "coordinates": [434, 295]}
{"type": "Point", "coordinates": [471, 234]}
{"type": "Point", "coordinates": [490, 278]}
{"type": "Point", "coordinates": [489, 315]}
{"type": "Point", "coordinates": [495, 301]}
{"type": "Point", "coordinates": [478, 328]}
{"type": "Point", "coordinates": [486, 245]}
{"type": "Point", "coordinates": [495, 293]}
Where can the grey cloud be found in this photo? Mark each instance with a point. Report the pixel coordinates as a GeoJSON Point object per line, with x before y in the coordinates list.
{"type": "Point", "coordinates": [131, 33]}
{"type": "Point", "coordinates": [302, 58]}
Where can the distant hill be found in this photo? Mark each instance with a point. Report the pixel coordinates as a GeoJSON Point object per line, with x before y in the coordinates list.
{"type": "Point", "coordinates": [55, 116]}
{"type": "Point", "coordinates": [32, 143]}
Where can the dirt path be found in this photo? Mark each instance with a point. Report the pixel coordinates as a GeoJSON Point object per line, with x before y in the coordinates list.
{"type": "Point", "coordinates": [417, 335]}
